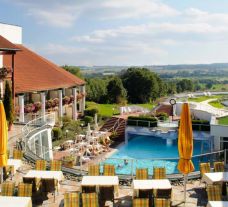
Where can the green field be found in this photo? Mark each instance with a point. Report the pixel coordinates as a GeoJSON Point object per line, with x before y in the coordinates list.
{"type": "Point", "coordinates": [216, 104]}
{"type": "Point", "coordinates": [223, 120]}
{"type": "Point", "coordinates": [204, 98]}
{"type": "Point", "coordinates": [111, 109]}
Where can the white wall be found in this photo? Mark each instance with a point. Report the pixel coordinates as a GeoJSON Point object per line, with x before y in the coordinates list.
{"type": "Point", "coordinates": [11, 32]}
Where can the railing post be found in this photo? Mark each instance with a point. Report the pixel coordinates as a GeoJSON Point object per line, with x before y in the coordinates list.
{"type": "Point", "coordinates": [132, 174]}
{"type": "Point", "coordinates": [225, 156]}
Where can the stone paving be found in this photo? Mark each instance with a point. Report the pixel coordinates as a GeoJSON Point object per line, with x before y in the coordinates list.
{"type": "Point", "coordinates": [196, 194]}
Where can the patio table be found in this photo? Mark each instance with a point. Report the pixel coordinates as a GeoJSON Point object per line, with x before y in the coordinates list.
{"type": "Point", "coordinates": [215, 177]}
{"type": "Point", "coordinates": [150, 184]}
{"type": "Point", "coordinates": [217, 204]}
{"type": "Point", "coordinates": [13, 201]}
{"type": "Point", "coordinates": [15, 163]}
{"type": "Point", "coordinates": [42, 174]}
{"type": "Point", "coordinates": [101, 181]}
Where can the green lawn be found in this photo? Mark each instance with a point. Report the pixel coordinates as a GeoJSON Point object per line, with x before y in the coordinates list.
{"type": "Point", "coordinates": [216, 104]}
{"type": "Point", "coordinates": [223, 120]}
{"type": "Point", "coordinates": [110, 109]}
{"type": "Point", "coordinates": [203, 98]}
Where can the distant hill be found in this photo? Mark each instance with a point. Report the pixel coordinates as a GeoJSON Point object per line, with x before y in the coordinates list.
{"type": "Point", "coordinates": [156, 68]}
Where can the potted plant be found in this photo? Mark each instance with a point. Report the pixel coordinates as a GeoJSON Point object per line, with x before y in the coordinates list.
{"type": "Point", "coordinates": [68, 161]}
{"type": "Point", "coordinates": [3, 73]}
{"type": "Point", "coordinates": [66, 100]}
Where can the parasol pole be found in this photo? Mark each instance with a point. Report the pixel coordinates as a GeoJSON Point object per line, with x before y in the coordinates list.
{"type": "Point", "coordinates": [185, 186]}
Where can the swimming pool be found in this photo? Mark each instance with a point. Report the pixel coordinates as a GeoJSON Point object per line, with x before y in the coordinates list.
{"type": "Point", "coordinates": [144, 151]}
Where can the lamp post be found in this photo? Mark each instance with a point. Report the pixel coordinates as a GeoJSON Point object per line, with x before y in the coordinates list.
{"type": "Point", "coordinates": [66, 133]}
{"type": "Point", "coordinates": [172, 102]}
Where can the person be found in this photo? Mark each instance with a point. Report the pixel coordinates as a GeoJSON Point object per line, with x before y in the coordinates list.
{"type": "Point", "coordinates": [125, 161]}
{"type": "Point", "coordinates": [119, 166]}
{"type": "Point", "coordinates": [106, 142]}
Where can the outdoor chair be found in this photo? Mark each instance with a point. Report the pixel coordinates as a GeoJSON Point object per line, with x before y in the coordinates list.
{"type": "Point", "coordinates": [159, 173]}
{"type": "Point", "coordinates": [40, 165]}
{"type": "Point", "coordinates": [17, 154]}
{"type": "Point", "coordinates": [141, 174]}
{"type": "Point", "coordinates": [109, 170]}
{"type": "Point", "coordinates": [204, 168]}
{"type": "Point", "coordinates": [219, 167]}
{"type": "Point", "coordinates": [71, 199]}
{"type": "Point", "coordinates": [24, 190]}
{"type": "Point", "coordinates": [36, 183]}
{"type": "Point", "coordinates": [140, 202]}
{"type": "Point", "coordinates": [49, 185]}
{"type": "Point", "coordinates": [56, 165]}
{"type": "Point", "coordinates": [106, 193]}
{"type": "Point", "coordinates": [162, 202]}
{"type": "Point", "coordinates": [7, 189]}
{"type": "Point", "coordinates": [214, 192]}
{"type": "Point", "coordinates": [94, 170]}
{"type": "Point", "coordinates": [90, 200]}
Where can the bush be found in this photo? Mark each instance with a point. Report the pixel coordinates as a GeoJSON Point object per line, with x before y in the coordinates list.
{"type": "Point", "coordinates": [162, 116]}
{"type": "Point", "coordinates": [91, 112]}
{"type": "Point", "coordinates": [143, 121]}
{"type": "Point", "coordinates": [88, 119]}
{"type": "Point", "coordinates": [57, 133]}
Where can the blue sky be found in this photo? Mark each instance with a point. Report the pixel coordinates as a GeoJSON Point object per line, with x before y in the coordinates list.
{"type": "Point", "coordinates": [122, 32]}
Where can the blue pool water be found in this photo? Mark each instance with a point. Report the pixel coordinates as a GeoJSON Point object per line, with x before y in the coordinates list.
{"type": "Point", "coordinates": [144, 149]}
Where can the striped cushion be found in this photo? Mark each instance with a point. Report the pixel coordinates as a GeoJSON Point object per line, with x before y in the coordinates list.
{"type": "Point", "coordinates": [159, 173]}
{"type": "Point", "coordinates": [41, 164]}
{"type": "Point", "coordinates": [17, 154]}
{"type": "Point", "coordinates": [89, 200]}
{"type": "Point", "coordinates": [214, 192]}
{"type": "Point", "coordinates": [94, 170]}
{"type": "Point", "coordinates": [162, 202]}
{"type": "Point", "coordinates": [142, 174]}
{"type": "Point", "coordinates": [7, 189]}
{"type": "Point", "coordinates": [204, 168]}
{"type": "Point", "coordinates": [71, 200]}
{"type": "Point", "coordinates": [141, 202]}
{"type": "Point", "coordinates": [219, 166]}
{"type": "Point", "coordinates": [109, 170]}
{"type": "Point", "coordinates": [56, 165]}
{"type": "Point", "coordinates": [24, 190]}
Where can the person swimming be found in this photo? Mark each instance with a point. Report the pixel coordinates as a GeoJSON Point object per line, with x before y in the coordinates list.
{"type": "Point", "coordinates": [126, 162]}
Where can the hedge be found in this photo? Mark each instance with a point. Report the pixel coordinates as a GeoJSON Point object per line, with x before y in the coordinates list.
{"type": "Point", "coordinates": [91, 112]}
{"type": "Point", "coordinates": [142, 121]}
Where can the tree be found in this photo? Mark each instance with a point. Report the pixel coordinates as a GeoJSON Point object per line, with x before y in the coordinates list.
{"type": "Point", "coordinates": [96, 89]}
{"type": "Point", "coordinates": [74, 70]}
{"type": "Point", "coordinates": [115, 90]}
{"type": "Point", "coordinates": [8, 103]}
{"type": "Point", "coordinates": [141, 84]}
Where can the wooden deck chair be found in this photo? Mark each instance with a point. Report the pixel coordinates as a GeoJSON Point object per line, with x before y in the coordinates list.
{"type": "Point", "coordinates": [219, 167]}
{"type": "Point", "coordinates": [204, 168]}
{"type": "Point", "coordinates": [159, 173]}
{"type": "Point", "coordinates": [8, 172]}
{"type": "Point", "coordinates": [214, 192]}
{"type": "Point", "coordinates": [56, 165]}
{"type": "Point", "coordinates": [162, 202]}
{"type": "Point", "coordinates": [90, 200]}
{"type": "Point", "coordinates": [24, 190]}
{"type": "Point", "coordinates": [41, 165]}
{"type": "Point", "coordinates": [7, 189]}
{"type": "Point", "coordinates": [140, 202]}
{"type": "Point", "coordinates": [71, 199]}
{"type": "Point", "coordinates": [17, 154]}
{"type": "Point", "coordinates": [141, 174]}
{"type": "Point", "coordinates": [94, 170]}
{"type": "Point", "coordinates": [108, 170]}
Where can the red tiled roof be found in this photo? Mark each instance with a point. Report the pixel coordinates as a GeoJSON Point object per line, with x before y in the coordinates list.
{"type": "Point", "coordinates": [6, 45]}
{"type": "Point", "coordinates": [35, 73]}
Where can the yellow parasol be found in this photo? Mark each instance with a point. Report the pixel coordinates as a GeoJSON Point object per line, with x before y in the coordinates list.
{"type": "Point", "coordinates": [3, 138]}
{"type": "Point", "coordinates": [185, 144]}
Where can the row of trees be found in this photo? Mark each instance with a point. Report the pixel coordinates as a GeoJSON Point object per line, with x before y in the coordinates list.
{"type": "Point", "coordinates": [134, 85]}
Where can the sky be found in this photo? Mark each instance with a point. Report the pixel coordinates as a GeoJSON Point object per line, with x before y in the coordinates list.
{"type": "Point", "coordinates": [122, 32]}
